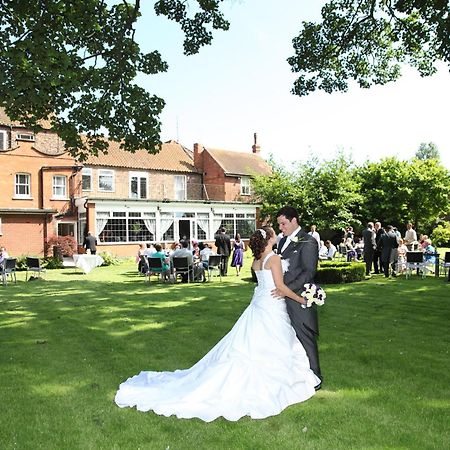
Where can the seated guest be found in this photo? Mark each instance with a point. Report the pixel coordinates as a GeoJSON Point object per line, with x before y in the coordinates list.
{"type": "Point", "coordinates": [429, 252]}
{"type": "Point", "coordinates": [351, 252]}
{"type": "Point", "coordinates": [359, 248]}
{"type": "Point", "coordinates": [197, 271]}
{"type": "Point", "coordinates": [331, 249]}
{"type": "Point", "coordinates": [150, 250]}
{"type": "Point", "coordinates": [323, 251]}
{"type": "Point", "coordinates": [141, 252]}
{"type": "Point", "coordinates": [422, 242]}
{"type": "Point", "coordinates": [195, 251]}
{"type": "Point", "coordinates": [165, 271]}
{"type": "Point", "coordinates": [3, 255]}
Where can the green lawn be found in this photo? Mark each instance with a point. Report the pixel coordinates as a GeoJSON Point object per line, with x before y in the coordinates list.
{"type": "Point", "coordinates": [69, 340]}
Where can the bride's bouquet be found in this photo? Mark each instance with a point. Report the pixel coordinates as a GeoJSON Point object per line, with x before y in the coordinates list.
{"type": "Point", "coordinates": [313, 294]}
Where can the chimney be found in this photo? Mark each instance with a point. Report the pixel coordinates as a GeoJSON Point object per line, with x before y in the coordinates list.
{"type": "Point", "coordinates": [198, 157]}
{"type": "Point", "coordinates": [255, 147]}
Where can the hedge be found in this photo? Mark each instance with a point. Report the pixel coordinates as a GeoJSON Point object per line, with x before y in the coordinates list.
{"type": "Point", "coordinates": [330, 272]}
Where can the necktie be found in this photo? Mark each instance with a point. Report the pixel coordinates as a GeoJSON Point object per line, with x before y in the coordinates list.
{"type": "Point", "coordinates": [280, 245]}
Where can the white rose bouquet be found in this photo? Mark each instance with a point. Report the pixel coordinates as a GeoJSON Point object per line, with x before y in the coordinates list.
{"type": "Point", "coordinates": [313, 294]}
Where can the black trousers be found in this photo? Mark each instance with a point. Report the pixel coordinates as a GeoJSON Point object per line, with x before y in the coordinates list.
{"type": "Point", "coordinates": [306, 335]}
{"type": "Point", "coordinates": [368, 259]}
{"type": "Point", "coordinates": [224, 264]}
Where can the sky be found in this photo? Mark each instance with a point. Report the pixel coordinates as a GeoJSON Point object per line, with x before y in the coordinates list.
{"type": "Point", "coordinates": [240, 85]}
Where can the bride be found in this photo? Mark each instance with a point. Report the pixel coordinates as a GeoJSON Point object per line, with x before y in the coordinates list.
{"type": "Point", "coordinates": [258, 369]}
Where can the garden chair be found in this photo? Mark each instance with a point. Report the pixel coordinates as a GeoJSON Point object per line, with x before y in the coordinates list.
{"type": "Point", "coordinates": [415, 261]}
{"type": "Point", "coordinates": [9, 269]}
{"type": "Point", "coordinates": [181, 266]}
{"type": "Point", "coordinates": [214, 263]}
{"type": "Point", "coordinates": [155, 267]}
{"type": "Point", "coordinates": [445, 263]}
{"type": "Point", "coordinates": [34, 265]}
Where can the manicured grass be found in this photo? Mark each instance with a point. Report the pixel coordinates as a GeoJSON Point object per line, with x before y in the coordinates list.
{"type": "Point", "coordinates": [69, 340]}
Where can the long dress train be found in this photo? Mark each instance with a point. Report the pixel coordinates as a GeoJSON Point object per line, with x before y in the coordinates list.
{"type": "Point", "coordinates": [258, 369]}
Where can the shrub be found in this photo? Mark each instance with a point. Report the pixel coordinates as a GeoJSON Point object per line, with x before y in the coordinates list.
{"type": "Point", "coordinates": [109, 259]}
{"type": "Point", "coordinates": [340, 272]}
{"type": "Point", "coordinates": [52, 263]}
{"type": "Point", "coordinates": [66, 245]}
{"type": "Point", "coordinates": [440, 236]}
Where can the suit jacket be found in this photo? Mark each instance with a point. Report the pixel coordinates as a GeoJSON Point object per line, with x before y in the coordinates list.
{"type": "Point", "coordinates": [90, 243]}
{"type": "Point", "coordinates": [369, 240]}
{"type": "Point", "coordinates": [388, 242]}
{"type": "Point", "coordinates": [303, 256]}
{"type": "Point", "coordinates": [223, 244]}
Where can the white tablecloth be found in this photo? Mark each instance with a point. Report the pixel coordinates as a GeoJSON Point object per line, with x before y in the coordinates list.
{"type": "Point", "coordinates": [87, 262]}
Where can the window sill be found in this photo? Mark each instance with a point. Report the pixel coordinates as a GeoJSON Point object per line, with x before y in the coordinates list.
{"type": "Point", "coordinates": [22, 198]}
{"type": "Point", "coordinates": [64, 199]}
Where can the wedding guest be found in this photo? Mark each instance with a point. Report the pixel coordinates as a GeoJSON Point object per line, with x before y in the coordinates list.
{"type": "Point", "coordinates": [150, 250]}
{"type": "Point", "coordinates": [315, 234]}
{"type": "Point", "coordinates": [369, 246]}
{"type": "Point", "coordinates": [429, 252]}
{"type": "Point", "coordinates": [3, 255]}
{"type": "Point", "coordinates": [410, 235]}
{"type": "Point", "coordinates": [90, 243]}
{"type": "Point", "coordinates": [237, 259]}
{"type": "Point", "coordinates": [377, 262]}
{"type": "Point", "coordinates": [323, 251]}
{"type": "Point", "coordinates": [141, 252]}
{"type": "Point", "coordinates": [401, 256]}
{"type": "Point", "coordinates": [223, 245]}
{"type": "Point", "coordinates": [165, 271]}
{"type": "Point", "coordinates": [351, 252]}
{"type": "Point", "coordinates": [331, 249]}
{"type": "Point", "coordinates": [204, 255]}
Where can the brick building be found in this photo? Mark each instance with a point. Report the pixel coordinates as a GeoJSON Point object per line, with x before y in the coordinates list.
{"type": "Point", "coordinates": [122, 198]}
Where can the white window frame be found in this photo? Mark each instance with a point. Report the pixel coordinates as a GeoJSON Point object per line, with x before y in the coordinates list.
{"type": "Point", "coordinates": [106, 173]}
{"type": "Point", "coordinates": [59, 187]}
{"type": "Point", "coordinates": [86, 172]}
{"type": "Point", "coordinates": [4, 145]}
{"type": "Point", "coordinates": [139, 176]}
{"type": "Point", "coordinates": [246, 186]}
{"type": "Point", "coordinates": [16, 185]}
{"type": "Point", "coordinates": [184, 187]}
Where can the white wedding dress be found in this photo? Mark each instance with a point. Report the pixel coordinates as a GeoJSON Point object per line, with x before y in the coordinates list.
{"type": "Point", "coordinates": [258, 369]}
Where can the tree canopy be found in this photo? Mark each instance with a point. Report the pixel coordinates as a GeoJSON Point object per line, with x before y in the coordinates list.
{"type": "Point", "coordinates": [428, 151]}
{"type": "Point", "coordinates": [74, 63]}
{"type": "Point", "coordinates": [367, 41]}
{"type": "Point", "coordinates": [337, 193]}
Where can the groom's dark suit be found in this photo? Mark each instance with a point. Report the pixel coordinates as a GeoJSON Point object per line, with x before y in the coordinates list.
{"type": "Point", "coordinates": [303, 256]}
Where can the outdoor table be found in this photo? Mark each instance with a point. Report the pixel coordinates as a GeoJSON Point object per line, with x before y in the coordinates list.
{"type": "Point", "coordinates": [87, 262]}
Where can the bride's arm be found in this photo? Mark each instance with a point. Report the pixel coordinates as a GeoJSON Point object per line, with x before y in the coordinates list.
{"type": "Point", "coordinates": [274, 264]}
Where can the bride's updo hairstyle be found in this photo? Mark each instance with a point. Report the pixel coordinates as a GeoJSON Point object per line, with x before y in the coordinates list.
{"type": "Point", "coordinates": [259, 239]}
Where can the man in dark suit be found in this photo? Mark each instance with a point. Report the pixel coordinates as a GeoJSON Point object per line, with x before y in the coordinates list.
{"type": "Point", "coordinates": [377, 262]}
{"type": "Point", "coordinates": [302, 252]}
{"type": "Point", "coordinates": [368, 235]}
{"type": "Point", "coordinates": [223, 244]}
{"type": "Point", "coordinates": [90, 243]}
{"type": "Point", "coordinates": [389, 245]}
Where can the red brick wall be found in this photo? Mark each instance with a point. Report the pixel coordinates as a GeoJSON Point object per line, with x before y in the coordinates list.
{"type": "Point", "coordinates": [23, 235]}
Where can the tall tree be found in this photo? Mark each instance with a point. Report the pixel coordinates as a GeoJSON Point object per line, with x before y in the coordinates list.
{"type": "Point", "coordinates": [74, 63]}
{"type": "Point", "coordinates": [325, 193]}
{"type": "Point", "coordinates": [398, 191]}
{"type": "Point", "coordinates": [367, 41]}
{"type": "Point", "coordinates": [427, 151]}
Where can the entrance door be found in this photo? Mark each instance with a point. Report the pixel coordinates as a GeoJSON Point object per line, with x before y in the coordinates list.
{"type": "Point", "coordinates": [184, 229]}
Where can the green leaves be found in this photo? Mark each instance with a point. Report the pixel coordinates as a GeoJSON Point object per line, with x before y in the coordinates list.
{"type": "Point", "coordinates": [74, 64]}
{"type": "Point", "coordinates": [367, 40]}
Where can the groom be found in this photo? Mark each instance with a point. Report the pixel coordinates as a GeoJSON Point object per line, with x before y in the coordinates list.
{"type": "Point", "coordinates": [301, 251]}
